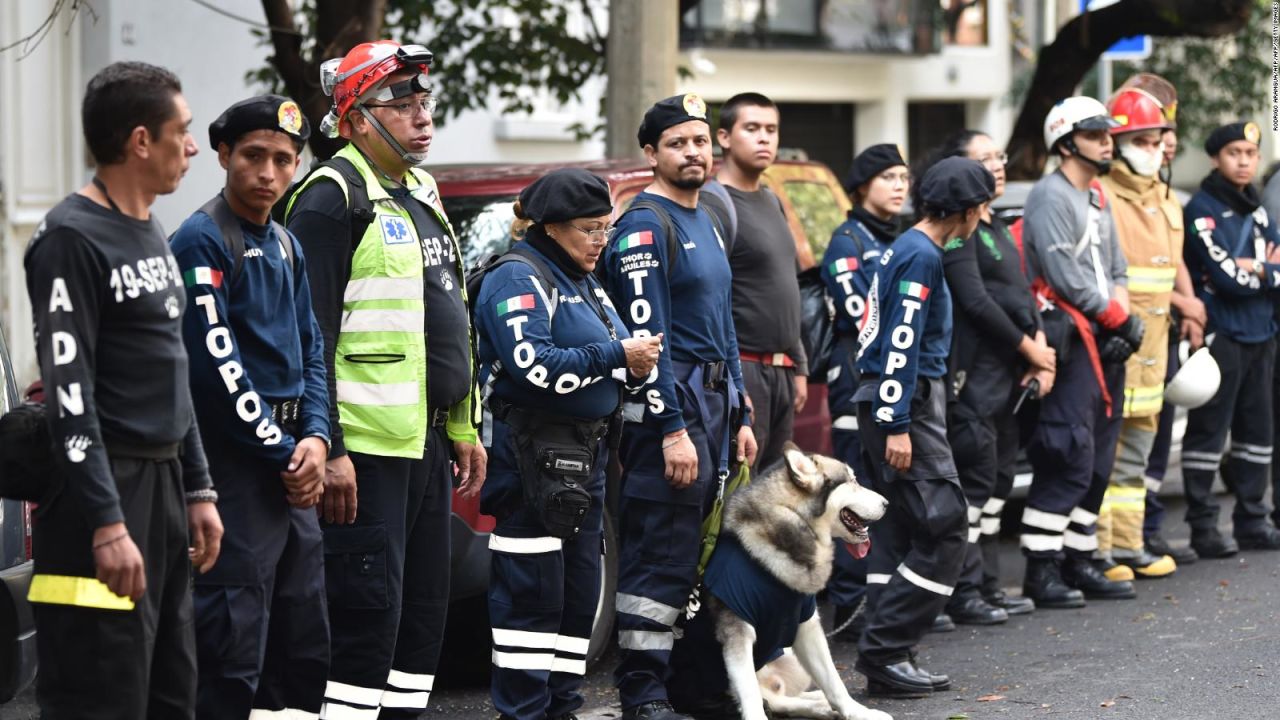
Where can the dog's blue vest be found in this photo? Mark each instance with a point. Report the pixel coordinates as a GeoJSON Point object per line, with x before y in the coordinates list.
{"type": "Point", "coordinates": [753, 594]}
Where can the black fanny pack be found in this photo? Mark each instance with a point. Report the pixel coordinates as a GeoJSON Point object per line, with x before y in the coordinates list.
{"type": "Point", "coordinates": [26, 453]}
{"type": "Point", "coordinates": [556, 457]}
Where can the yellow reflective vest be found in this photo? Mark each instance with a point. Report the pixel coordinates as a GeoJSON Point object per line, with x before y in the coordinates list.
{"type": "Point", "coordinates": [1149, 225]}
{"type": "Point", "coordinates": [380, 359]}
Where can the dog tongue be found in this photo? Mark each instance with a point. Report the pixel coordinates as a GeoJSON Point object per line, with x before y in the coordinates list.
{"type": "Point", "coordinates": [858, 550]}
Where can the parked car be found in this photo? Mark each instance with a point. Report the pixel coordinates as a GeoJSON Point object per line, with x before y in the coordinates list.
{"type": "Point", "coordinates": [478, 201]}
{"type": "Point", "coordinates": [17, 624]}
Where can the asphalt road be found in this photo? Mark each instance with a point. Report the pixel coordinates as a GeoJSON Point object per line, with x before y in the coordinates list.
{"type": "Point", "coordinates": [1204, 643]}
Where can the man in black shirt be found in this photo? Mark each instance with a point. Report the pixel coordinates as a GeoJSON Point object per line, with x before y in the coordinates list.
{"type": "Point", "coordinates": [111, 589]}
{"type": "Point", "coordinates": [762, 256]}
{"type": "Point", "coordinates": [388, 294]}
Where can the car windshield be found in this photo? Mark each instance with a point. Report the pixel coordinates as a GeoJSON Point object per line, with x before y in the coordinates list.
{"type": "Point", "coordinates": [483, 224]}
{"type": "Point", "coordinates": [818, 215]}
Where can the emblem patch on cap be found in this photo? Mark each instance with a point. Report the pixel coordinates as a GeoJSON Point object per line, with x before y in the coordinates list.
{"type": "Point", "coordinates": [289, 117]}
{"type": "Point", "coordinates": [694, 105]}
{"type": "Point", "coordinates": [1252, 133]}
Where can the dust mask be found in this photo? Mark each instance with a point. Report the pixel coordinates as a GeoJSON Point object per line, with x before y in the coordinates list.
{"type": "Point", "coordinates": [1143, 162]}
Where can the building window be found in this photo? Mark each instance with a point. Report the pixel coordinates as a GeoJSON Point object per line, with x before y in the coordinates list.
{"type": "Point", "coordinates": [964, 22]}
{"type": "Point", "coordinates": [883, 26]}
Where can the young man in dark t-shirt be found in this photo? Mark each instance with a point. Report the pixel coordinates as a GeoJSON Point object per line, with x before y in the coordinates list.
{"type": "Point", "coordinates": [762, 257]}
{"type": "Point", "coordinates": [111, 589]}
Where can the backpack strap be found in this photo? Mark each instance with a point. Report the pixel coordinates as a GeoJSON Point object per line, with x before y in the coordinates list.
{"type": "Point", "coordinates": [522, 253]}
{"type": "Point", "coordinates": [720, 205]}
{"type": "Point", "coordinates": [669, 227]}
{"type": "Point", "coordinates": [233, 235]}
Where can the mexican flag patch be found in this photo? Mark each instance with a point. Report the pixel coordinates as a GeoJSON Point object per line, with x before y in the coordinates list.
{"type": "Point", "coordinates": [202, 276]}
{"type": "Point", "coordinates": [519, 302]}
{"type": "Point", "coordinates": [848, 264]}
{"type": "Point", "coordinates": [914, 289]}
{"type": "Point", "coordinates": [635, 239]}
{"type": "Point", "coordinates": [1204, 223]}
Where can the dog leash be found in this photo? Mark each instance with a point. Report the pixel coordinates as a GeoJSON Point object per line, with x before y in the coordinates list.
{"type": "Point", "coordinates": [862, 604]}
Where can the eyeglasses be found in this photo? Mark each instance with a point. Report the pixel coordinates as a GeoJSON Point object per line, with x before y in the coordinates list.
{"type": "Point", "coordinates": [599, 236]}
{"type": "Point", "coordinates": [409, 108]}
{"type": "Point", "coordinates": [903, 178]}
{"type": "Point", "coordinates": [998, 160]}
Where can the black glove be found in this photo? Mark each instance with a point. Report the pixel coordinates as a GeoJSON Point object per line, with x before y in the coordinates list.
{"type": "Point", "coordinates": [1114, 348]}
{"type": "Point", "coordinates": [1132, 330]}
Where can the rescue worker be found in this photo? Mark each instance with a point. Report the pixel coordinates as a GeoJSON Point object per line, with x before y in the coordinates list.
{"type": "Point", "coordinates": [1189, 316]}
{"type": "Point", "coordinates": [560, 357]}
{"type": "Point", "coordinates": [679, 439]}
{"type": "Point", "coordinates": [1071, 248]}
{"type": "Point", "coordinates": [1235, 265]}
{"type": "Point", "coordinates": [901, 404]}
{"type": "Point", "coordinates": [762, 257]}
{"type": "Point", "coordinates": [998, 347]}
{"type": "Point", "coordinates": [877, 183]}
{"type": "Point", "coordinates": [131, 492]}
{"type": "Point", "coordinates": [387, 290]}
{"type": "Point", "coordinates": [258, 382]}
{"type": "Point", "coordinates": [1148, 222]}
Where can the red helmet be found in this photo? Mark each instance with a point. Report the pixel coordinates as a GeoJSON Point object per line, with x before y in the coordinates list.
{"type": "Point", "coordinates": [362, 70]}
{"type": "Point", "coordinates": [1137, 109]}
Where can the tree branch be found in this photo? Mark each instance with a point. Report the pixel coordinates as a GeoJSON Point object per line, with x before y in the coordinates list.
{"type": "Point", "coordinates": [1079, 44]}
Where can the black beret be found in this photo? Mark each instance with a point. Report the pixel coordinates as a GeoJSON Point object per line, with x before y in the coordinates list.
{"type": "Point", "coordinates": [565, 194]}
{"type": "Point", "coordinates": [264, 112]}
{"type": "Point", "coordinates": [870, 163]}
{"type": "Point", "coordinates": [1227, 134]}
{"type": "Point", "coordinates": [956, 184]}
{"type": "Point", "coordinates": [672, 111]}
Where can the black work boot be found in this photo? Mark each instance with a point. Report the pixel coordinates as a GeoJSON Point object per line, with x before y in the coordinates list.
{"type": "Point", "coordinates": [975, 610]}
{"type": "Point", "coordinates": [1183, 555]}
{"type": "Point", "coordinates": [1083, 575]}
{"type": "Point", "coordinates": [901, 679]}
{"type": "Point", "coordinates": [1011, 604]}
{"type": "Point", "coordinates": [942, 624]}
{"type": "Point", "coordinates": [656, 710]}
{"type": "Point", "coordinates": [1043, 584]}
{"type": "Point", "coordinates": [1211, 544]}
{"type": "Point", "coordinates": [1264, 538]}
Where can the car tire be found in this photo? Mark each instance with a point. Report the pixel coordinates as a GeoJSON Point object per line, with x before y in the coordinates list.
{"type": "Point", "coordinates": [606, 605]}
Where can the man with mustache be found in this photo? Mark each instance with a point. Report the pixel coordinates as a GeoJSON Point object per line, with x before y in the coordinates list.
{"type": "Point", "coordinates": [386, 279]}
{"type": "Point", "coordinates": [676, 444]}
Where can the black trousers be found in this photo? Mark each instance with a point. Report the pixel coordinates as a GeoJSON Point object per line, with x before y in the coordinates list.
{"type": "Point", "coordinates": [772, 390]}
{"type": "Point", "coordinates": [918, 546]}
{"type": "Point", "coordinates": [1242, 408]}
{"type": "Point", "coordinates": [262, 628]}
{"type": "Point", "coordinates": [387, 580]}
{"type": "Point", "coordinates": [101, 664]}
{"type": "Point", "coordinates": [985, 447]}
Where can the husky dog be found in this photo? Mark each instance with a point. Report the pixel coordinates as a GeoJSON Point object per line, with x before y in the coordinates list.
{"type": "Point", "coordinates": [773, 556]}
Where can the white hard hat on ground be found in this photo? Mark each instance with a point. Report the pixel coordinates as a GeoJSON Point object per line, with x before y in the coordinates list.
{"type": "Point", "coordinates": [1196, 382]}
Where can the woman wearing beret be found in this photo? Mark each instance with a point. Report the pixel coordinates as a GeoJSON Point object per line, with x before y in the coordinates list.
{"type": "Point", "coordinates": [998, 347]}
{"type": "Point", "coordinates": [877, 184]}
{"type": "Point", "coordinates": [558, 358]}
{"type": "Point", "coordinates": [901, 401]}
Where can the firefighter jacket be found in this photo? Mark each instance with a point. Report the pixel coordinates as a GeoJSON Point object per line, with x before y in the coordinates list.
{"type": "Point", "coordinates": [1148, 223]}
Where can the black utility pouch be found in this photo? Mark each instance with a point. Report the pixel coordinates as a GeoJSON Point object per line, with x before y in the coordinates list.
{"type": "Point", "coordinates": [559, 489]}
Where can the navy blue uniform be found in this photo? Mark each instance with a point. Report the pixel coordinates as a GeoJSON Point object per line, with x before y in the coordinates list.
{"type": "Point", "coordinates": [919, 543]}
{"type": "Point", "coordinates": [1242, 328]}
{"type": "Point", "coordinates": [262, 627]}
{"type": "Point", "coordinates": [749, 591]}
{"type": "Point", "coordinates": [697, 387]}
{"type": "Point", "coordinates": [848, 268]}
{"type": "Point", "coordinates": [554, 357]}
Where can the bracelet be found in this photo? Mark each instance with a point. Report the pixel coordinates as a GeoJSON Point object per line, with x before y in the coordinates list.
{"type": "Point", "coordinates": [113, 540]}
{"type": "Point", "coordinates": [675, 440]}
{"type": "Point", "coordinates": [205, 495]}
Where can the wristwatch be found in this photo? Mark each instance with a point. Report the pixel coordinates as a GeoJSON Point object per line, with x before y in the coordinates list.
{"type": "Point", "coordinates": [328, 444]}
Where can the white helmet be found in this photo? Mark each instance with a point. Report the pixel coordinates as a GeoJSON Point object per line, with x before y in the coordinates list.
{"type": "Point", "coordinates": [1196, 381]}
{"type": "Point", "coordinates": [1075, 113]}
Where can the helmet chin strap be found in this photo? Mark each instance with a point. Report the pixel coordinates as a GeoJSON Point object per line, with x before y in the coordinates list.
{"type": "Point", "coordinates": [396, 147]}
{"type": "Point", "coordinates": [1103, 166]}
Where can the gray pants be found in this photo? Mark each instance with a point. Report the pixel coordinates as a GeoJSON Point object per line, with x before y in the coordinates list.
{"type": "Point", "coordinates": [772, 390]}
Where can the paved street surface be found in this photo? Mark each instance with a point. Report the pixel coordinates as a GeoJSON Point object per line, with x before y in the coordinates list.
{"type": "Point", "coordinates": [1202, 644]}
